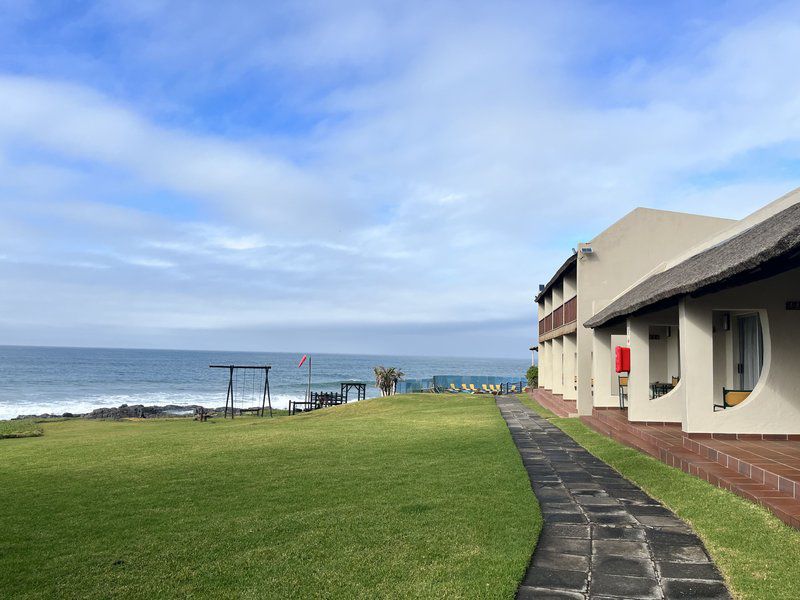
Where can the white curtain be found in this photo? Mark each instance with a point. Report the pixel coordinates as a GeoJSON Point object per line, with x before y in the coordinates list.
{"type": "Point", "coordinates": [751, 350]}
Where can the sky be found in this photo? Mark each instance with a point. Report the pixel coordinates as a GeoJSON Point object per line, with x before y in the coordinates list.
{"type": "Point", "coordinates": [362, 177]}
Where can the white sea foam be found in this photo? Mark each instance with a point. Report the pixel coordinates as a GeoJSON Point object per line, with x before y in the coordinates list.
{"type": "Point", "coordinates": [9, 410]}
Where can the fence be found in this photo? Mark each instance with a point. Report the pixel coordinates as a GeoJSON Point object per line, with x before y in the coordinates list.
{"type": "Point", "coordinates": [442, 383]}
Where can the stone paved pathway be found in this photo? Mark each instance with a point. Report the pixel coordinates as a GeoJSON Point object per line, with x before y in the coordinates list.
{"type": "Point", "coordinates": [603, 537]}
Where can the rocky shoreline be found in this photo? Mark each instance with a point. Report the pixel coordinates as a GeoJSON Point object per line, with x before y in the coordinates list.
{"type": "Point", "coordinates": [135, 411]}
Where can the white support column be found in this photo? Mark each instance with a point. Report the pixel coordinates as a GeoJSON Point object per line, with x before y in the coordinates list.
{"type": "Point", "coordinates": [639, 377]}
{"type": "Point", "coordinates": [697, 362]}
{"type": "Point", "coordinates": [601, 367]}
{"type": "Point", "coordinates": [585, 369]}
{"type": "Point", "coordinates": [558, 365]}
{"type": "Point", "coordinates": [570, 372]}
{"type": "Point", "coordinates": [544, 365]}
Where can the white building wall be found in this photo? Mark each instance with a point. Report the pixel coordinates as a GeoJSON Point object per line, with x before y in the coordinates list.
{"type": "Point", "coordinates": [631, 248]}
{"type": "Point", "coordinates": [557, 292]}
{"type": "Point", "coordinates": [667, 408]}
{"type": "Point", "coordinates": [570, 285]}
{"type": "Point", "coordinates": [773, 406]}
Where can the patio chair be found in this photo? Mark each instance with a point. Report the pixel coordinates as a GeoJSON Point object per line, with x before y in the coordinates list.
{"type": "Point", "coordinates": [453, 389]}
{"type": "Point", "coordinates": [623, 391]}
{"type": "Point", "coordinates": [485, 388]}
{"type": "Point", "coordinates": [473, 389]}
{"type": "Point", "coordinates": [464, 387]}
{"type": "Point", "coordinates": [732, 398]}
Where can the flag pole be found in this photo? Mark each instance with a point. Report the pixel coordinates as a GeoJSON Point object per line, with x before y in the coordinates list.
{"type": "Point", "coordinates": [309, 379]}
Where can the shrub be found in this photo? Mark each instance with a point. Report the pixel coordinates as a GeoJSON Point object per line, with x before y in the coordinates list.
{"type": "Point", "coordinates": [533, 376]}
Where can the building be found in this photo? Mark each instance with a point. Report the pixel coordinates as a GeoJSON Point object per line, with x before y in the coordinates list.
{"type": "Point", "coordinates": [723, 320]}
{"type": "Point", "coordinates": [590, 279]}
{"type": "Point", "coordinates": [713, 385]}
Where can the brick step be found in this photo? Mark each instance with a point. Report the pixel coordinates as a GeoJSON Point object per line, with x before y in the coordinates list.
{"type": "Point", "coordinates": [764, 473]}
{"type": "Point", "coordinates": [620, 434]}
{"type": "Point", "coordinates": [555, 403]}
{"type": "Point", "coordinates": [613, 420]}
{"type": "Point", "coordinates": [640, 443]}
{"type": "Point", "coordinates": [784, 505]}
{"type": "Point", "coordinates": [598, 425]}
{"type": "Point", "coordinates": [759, 474]}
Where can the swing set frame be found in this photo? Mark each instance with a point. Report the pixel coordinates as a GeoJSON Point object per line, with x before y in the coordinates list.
{"type": "Point", "coordinates": [266, 399]}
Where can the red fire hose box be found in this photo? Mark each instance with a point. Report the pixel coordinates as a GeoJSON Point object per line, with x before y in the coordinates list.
{"type": "Point", "coordinates": [623, 362]}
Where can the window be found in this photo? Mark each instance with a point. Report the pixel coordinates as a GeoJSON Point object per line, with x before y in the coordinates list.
{"type": "Point", "coordinates": [751, 350]}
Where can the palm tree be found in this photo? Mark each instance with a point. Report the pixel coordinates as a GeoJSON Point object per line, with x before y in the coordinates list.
{"type": "Point", "coordinates": [386, 379]}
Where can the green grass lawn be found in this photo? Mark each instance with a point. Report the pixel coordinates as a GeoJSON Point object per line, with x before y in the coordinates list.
{"type": "Point", "coordinates": [415, 496]}
{"type": "Point", "coordinates": [20, 429]}
{"type": "Point", "coordinates": [757, 553]}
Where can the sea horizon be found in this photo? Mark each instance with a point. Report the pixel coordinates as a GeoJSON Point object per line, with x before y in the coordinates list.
{"type": "Point", "coordinates": [299, 353]}
{"type": "Point", "coordinates": [57, 379]}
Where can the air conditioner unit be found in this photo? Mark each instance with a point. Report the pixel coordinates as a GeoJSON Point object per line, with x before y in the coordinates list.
{"type": "Point", "coordinates": [587, 250]}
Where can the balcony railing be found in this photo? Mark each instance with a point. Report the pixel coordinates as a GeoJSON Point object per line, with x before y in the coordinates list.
{"type": "Point", "coordinates": [558, 317]}
{"type": "Point", "coordinates": [571, 310]}
{"type": "Point", "coordinates": [564, 315]}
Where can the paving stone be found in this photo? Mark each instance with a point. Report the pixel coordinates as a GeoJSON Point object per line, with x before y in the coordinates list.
{"type": "Point", "coordinates": [566, 562]}
{"type": "Point", "coordinates": [609, 509]}
{"type": "Point", "coordinates": [677, 570]}
{"type": "Point", "coordinates": [664, 537]}
{"type": "Point", "coordinates": [564, 545]}
{"type": "Point", "coordinates": [685, 554]}
{"type": "Point", "coordinates": [677, 589]}
{"type": "Point", "coordinates": [602, 518]}
{"type": "Point", "coordinates": [569, 531]}
{"type": "Point", "coordinates": [565, 518]}
{"type": "Point", "coordinates": [620, 548]}
{"type": "Point", "coordinates": [657, 511]}
{"type": "Point", "coordinates": [617, 532]}
{"type": "Point", "coordinates": [658, 521]}
{"type": "Point", "coordinates": [601, 531]}
{"type": "Point", "coordinates": [532, 593]}
{"type": "Point", "coordinates": [625, 587]}
{"type": "Point", "coordinates": [556, 579]}
{"type": "Point", "coordinates": [562, 508]}
{"type": "Point", "coordinates": [597, 500]}
{"type": "Point", "coordinates": [623, 565]}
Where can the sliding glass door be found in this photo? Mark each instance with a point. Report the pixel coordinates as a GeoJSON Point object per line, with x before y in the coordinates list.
{"type": "Point", "coordinates": [751, 351]}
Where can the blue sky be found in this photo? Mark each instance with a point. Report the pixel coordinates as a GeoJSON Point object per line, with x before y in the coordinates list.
{"type": "Point", "coordinates": [370, 177]}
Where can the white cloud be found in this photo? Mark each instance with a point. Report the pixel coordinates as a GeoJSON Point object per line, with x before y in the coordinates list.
{"type": "Point", "coordinates": [435, 163]}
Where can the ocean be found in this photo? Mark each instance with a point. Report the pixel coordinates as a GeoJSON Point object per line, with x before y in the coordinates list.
{"type": "Point", "coordinates": [36, 380]}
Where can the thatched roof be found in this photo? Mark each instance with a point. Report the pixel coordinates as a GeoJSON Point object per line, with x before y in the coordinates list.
{"type": "Point", "coordinates": [773, 239]}
{"type": "Point", "coordinates": [561, 270]}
